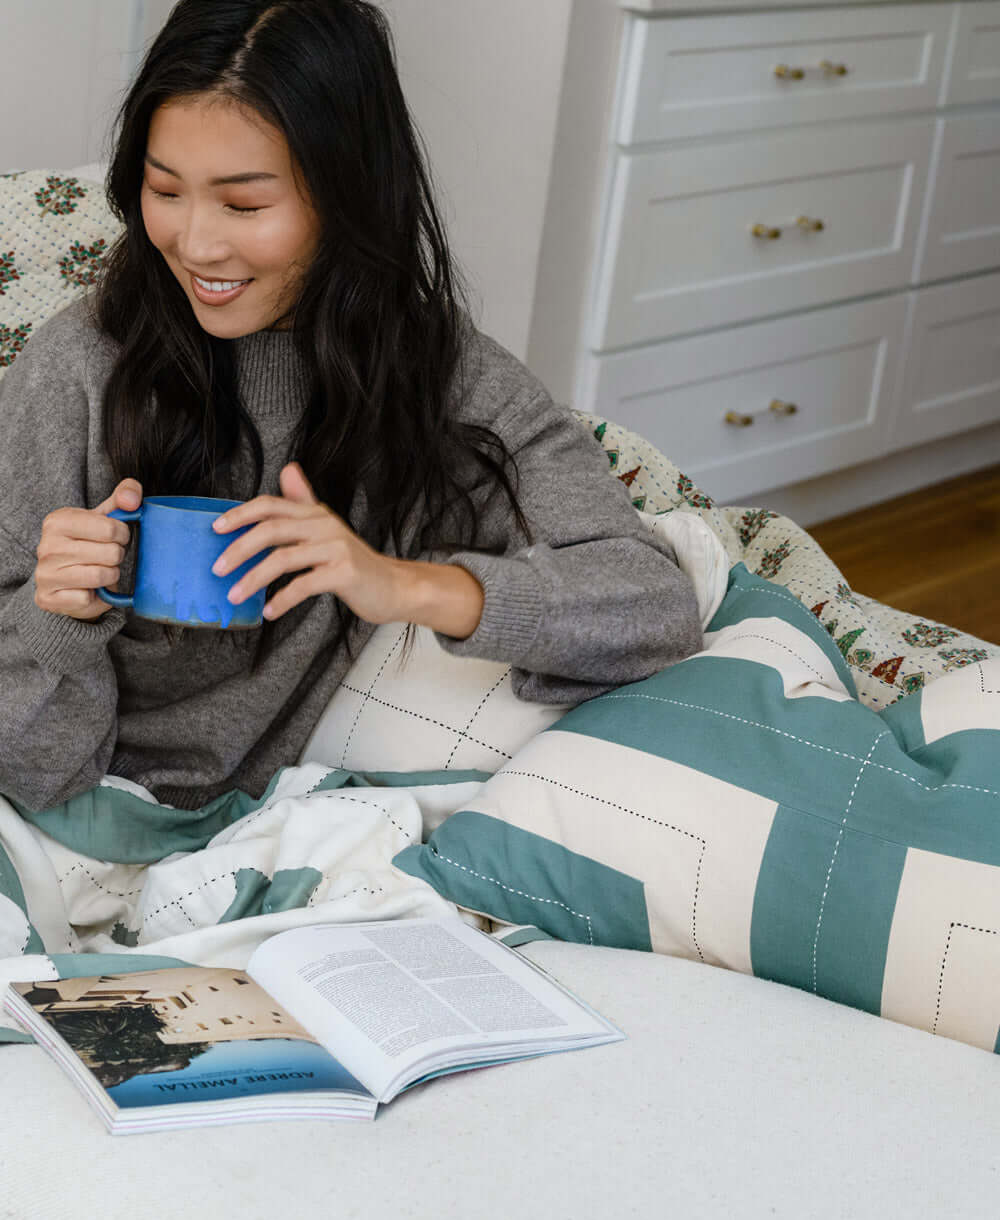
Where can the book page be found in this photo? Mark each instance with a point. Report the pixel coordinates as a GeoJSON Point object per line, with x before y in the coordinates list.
{"type": "Point", "coordinates": [383, 995]}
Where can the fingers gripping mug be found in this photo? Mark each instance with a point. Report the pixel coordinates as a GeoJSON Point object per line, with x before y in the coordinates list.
{"type": "Point", "coordinates": [174, 581]}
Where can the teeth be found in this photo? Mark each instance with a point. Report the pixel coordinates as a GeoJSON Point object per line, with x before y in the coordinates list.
{"type": "Point", "coordinates": [220, 285]}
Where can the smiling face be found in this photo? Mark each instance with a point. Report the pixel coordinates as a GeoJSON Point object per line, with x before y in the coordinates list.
{"type": "Point", "coordinates": [221, 204]}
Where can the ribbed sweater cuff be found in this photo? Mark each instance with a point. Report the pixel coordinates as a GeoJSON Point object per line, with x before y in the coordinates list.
{"type": "Point", "coordinates": [512, 609]}
{"type": "Point", "coordinates": [57, 642]}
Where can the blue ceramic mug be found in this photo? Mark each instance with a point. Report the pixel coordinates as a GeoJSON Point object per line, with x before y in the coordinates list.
{"type": "Point", "coordinates": [174, 581]}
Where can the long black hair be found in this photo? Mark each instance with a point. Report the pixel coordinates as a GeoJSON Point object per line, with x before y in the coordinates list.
{"type": "Point", "coordinates": [381, 314]}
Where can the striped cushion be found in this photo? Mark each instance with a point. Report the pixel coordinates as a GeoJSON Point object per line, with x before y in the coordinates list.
{"type": "Point", "coordinates": [744, 809]}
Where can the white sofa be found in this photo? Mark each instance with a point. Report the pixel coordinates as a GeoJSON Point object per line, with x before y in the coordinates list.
{"type": "Point", "coordinates": [732, 1097]}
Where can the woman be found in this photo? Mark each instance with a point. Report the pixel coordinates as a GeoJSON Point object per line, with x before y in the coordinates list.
{"type": "Point", "coordinates": [280, 323]}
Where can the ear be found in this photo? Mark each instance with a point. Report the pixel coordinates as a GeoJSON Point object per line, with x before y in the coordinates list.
{"type": "Point", "coordinates": [295, 486]}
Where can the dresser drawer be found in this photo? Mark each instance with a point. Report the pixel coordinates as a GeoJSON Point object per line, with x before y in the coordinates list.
{"type": "Point", "coordinates": [974, 71]}
{"type": "Point", "coordinates": [692, 397]}
{"type": "Point", "coordinates": [695, 75]}
{"type": "Point", "coordinates": [950, 378]}
{"type": "Point", "coordinates": [962, 230]}
{"type": "Point", "coordinates": [680, 254]}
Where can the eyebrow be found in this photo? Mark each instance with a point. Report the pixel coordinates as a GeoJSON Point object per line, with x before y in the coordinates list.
{"type": "Point", "coordinates": [229, 180]}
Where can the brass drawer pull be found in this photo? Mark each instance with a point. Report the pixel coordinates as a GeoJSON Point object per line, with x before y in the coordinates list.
{"type": "Point", "coordinates": [737, 419]}
{"type": "Point", "coordinates": [784, 72]}
{"type": "Point", "coordinates": [808, 224]}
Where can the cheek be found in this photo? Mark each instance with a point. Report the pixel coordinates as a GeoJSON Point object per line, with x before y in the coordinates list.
{"type": "Point", "coordinates": [157, 226]}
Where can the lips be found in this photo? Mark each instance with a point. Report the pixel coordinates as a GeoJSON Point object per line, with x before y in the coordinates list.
{"type": "Point", "coordinates": [218, 292]}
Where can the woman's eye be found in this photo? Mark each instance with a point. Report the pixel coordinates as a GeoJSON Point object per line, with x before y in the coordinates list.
{"type": "Point", "coordinates": [160, 194]}
{"type": "Point", "coordinates": [231, 207]}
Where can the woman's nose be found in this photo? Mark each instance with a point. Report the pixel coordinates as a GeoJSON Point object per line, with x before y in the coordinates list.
{"type": "Point", "coordinates": [201, 241]}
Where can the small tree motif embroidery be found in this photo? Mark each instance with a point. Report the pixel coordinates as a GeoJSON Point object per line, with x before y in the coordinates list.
{"type": "Point", "coordinates": [928, 635]}
{"type": "Point", "coordinates": [59, 195]}
{"type": "Point", "coordinates": [12, 342]}
{"type": "Point", "coordinates": [752, 522]}
{"type": "Point", "coordinates": [847, 640]}
{"type": "Point", "coordinates": [81, 264]}
{"type": "Point", "coordinates": [845, 594]}
{"type": "Point", "coordinates": [770, 565]}
{"type": "Point", "coordinates": [887, 670]}
{"type": "Point", "coordinates": [8, 272]}
{"type": "Point", "coordinates": [957, 658]}
{"type": "Point", "coordinates": [687, 490]}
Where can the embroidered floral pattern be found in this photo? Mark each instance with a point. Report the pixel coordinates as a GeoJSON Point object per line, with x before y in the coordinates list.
{"type": "Point", "coordinates": [59, 195]}
{"type": "Point", "coordinates": [845, 594]}
{"type": "Point", "coordinates": [771, 563]}
{"type": "Point", "coordinates": [80, 266]}
{"type": "Point", "coordinates": [12, 342]}
{"type": "Point", "coordinates": [752, 522]}
{"type": "Point", "coordinates": [8, 272]}
{"type": "Point", "coordinates": [687, 490]}
{"type": "Point", "coordinates": [957, 658]}
{"type": "Point", "coordinates": [928, 635]}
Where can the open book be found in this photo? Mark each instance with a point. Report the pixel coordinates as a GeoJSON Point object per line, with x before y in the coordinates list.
{"type": "Point", "coordinates": [325, 1022]}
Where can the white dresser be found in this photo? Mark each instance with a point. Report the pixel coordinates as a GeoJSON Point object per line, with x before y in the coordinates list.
{"type": "Point", "coordinates": [798, 263]}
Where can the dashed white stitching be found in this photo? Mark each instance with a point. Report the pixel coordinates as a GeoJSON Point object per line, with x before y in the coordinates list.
{"type": "Point", "coordinates": [521, 893]}
{"type": "Point", "coordinates": [813, 745]}
{"type": "Point", "coordinates": [836, 849]}
{"type": "Point", "coordinates": [750, 635]}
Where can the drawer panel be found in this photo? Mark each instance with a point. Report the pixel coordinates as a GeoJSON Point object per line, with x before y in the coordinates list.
{"type": "Point", "coordinates": [950, 379]}
{"type": "Point", "coordinates": [836, 366]}
{"type": "Point", "coordinates": [679, 253]}
{"type": "Point", "coordinates": [695, 75]}
{"type": "Point", "coordinates": [974, 72]}
{"type": "Point", "coordinates": [962, 229]}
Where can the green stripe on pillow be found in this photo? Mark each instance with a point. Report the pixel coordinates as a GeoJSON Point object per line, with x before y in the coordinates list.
{"type": "Point", "coordinates": [823, 908]}
{"type": "Point", "coordinates": [474, 859]}
{"type": "Point", "coordinates": [751, 596]}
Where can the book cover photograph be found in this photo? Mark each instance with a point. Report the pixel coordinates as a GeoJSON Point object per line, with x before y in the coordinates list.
{"type": "Point", "coordinates": [182, 1035]}
{"type": "Point", "coordinates": [326, 1021]}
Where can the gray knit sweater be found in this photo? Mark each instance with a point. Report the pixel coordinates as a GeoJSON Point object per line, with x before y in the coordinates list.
{"type": "Point", "coordinates": [593, 604]}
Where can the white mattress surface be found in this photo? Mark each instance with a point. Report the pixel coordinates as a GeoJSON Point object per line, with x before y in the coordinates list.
{"type": "Point", "coordinates": [733, 1097]}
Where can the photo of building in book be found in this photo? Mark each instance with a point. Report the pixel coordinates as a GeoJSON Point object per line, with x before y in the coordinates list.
{"type": "Point", "coordinates": [123, 1025]}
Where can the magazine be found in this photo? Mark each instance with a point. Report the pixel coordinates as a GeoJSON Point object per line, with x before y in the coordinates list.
{"type": "Point", "coordinates": [326, 1021]}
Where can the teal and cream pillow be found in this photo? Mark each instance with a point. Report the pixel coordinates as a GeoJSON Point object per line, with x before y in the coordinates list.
{"type": "Point", "coordinates": [744, 809]}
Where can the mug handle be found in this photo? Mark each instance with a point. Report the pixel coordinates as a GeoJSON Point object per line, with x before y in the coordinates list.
{"type": "Point", "coordinates": [123, 601]}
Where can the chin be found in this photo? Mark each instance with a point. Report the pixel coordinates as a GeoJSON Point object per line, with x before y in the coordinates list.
{"type": "Point", "coordinates": [214, 322]}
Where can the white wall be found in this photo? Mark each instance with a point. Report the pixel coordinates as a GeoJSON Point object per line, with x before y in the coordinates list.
{"type": "Point", "coordinates": [65, 63]}
{"type": "Point", "coordinates": [483, 80]}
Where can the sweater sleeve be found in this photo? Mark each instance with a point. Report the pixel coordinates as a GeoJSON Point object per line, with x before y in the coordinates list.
{"type": "Point", "coordinates": [58, 706]}
{"type": "Point", "coordinates": [595, 601]}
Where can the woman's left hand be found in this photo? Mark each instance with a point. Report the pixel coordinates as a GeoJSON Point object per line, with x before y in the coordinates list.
{"type": "Point", "coordinates": [309, 538]}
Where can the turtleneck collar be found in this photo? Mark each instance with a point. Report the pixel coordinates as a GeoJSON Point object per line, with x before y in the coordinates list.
{"type": "Point", "coordinates": [272, 375]}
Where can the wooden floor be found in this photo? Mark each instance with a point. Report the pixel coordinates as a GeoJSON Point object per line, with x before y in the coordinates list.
{"type": "Point", "coordinates": [935, 552]}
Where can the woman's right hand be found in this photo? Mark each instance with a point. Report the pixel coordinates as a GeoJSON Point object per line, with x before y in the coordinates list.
{"type": "Point", "coordinates": [81, 550]}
